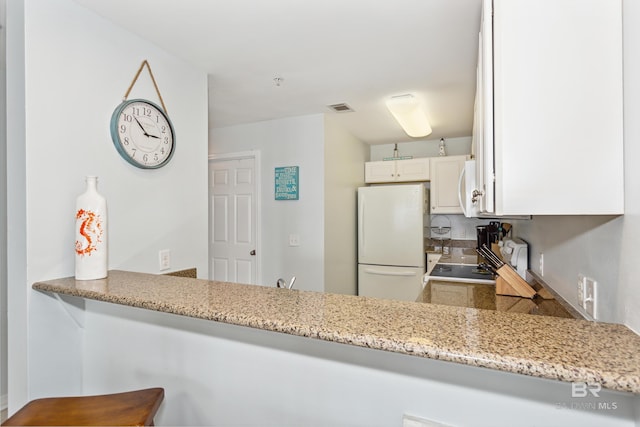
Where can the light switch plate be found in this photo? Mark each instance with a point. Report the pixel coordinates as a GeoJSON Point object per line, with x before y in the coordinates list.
{"type": "Point", "coordinates": [165, 259]}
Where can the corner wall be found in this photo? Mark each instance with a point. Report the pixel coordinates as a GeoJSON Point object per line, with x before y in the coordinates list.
{"type": "Point", "coordinates": [3, 209]}
{"type": "Point", "coordinates": [344, 158]}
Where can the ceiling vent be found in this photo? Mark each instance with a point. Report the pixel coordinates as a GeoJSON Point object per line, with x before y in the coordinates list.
{"type": "Point", "coordinates": [341, 108]}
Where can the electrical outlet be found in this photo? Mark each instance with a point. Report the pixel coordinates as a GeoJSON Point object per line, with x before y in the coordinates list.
{"type": "Point", "coordinates": [587, 291]}
{"type": "Point", "coordinates": [165, 259]}
{"type": "Point", "coordinates": [294, 240]}
{"type": "Point", "coordinates": [590, 300]}
{"type": "Point", "coordinates": [581, 280]}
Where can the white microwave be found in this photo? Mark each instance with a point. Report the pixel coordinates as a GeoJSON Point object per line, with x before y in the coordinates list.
{"type": "Point", "coordinates": [469, 196]}
{"type": "Point", "coordinates": [467, 192]}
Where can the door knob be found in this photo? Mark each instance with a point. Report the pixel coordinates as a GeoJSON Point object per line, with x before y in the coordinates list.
{"type": "Point", "coordinates": [253, 252]}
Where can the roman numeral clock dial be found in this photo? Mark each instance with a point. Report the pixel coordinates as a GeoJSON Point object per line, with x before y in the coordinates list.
{"type": "Point", "coordinates": [143, 134]}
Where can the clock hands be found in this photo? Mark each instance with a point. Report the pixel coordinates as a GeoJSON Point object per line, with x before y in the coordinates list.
{"type": "Point", "coordinates": [141, 127]}
{"type": "Point", "coordinates": [144, 130]}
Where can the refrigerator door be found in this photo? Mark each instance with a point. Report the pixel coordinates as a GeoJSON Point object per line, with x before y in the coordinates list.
{"type": "Point", "coordinates": [398, 283]}
{"type": "Point", "coordinates": [391, 225]}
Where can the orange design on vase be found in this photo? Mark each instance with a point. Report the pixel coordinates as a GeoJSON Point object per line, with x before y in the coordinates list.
{"type": "Point", "coordinates": [90, 230]}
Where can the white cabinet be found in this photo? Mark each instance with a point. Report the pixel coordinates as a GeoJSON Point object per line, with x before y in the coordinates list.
{"type": "Point", "coordinates": [548, 116]}
{"type": "Point", "coordinates": [445, 174]}
{"type": "Point", "coordinates": [409, 170]}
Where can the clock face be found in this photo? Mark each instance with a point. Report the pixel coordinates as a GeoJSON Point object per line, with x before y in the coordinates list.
{"type": "Point", "coordinates": [142, 134]}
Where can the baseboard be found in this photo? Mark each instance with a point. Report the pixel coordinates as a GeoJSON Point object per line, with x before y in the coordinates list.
{"type": "Point", "coordinates": [4, 402]}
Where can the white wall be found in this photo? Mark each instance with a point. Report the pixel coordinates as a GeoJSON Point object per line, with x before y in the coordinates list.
{"type": "Point", "coordinates": [3, 211]}
{"type": "Point", "coordinates": [75, 71]}
{"type": "Point", "coordinates": [601, 247]}
{"type": "Point", "coordinates": [428, 148]}
{"type": "Point", "coordinates": [297, 141]}
{"type": "Point", "coordinates": [17, 313]}
{"type": "Point", "coordinates": [344, 157]}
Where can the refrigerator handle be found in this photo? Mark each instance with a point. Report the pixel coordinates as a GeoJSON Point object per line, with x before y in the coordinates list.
{"type": "Point", "coordinates": [389, 273]}
{"type": "Point", "coordinates": [361, 226]}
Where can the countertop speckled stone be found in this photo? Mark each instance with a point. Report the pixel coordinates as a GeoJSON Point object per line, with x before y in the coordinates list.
{"type": "Point", "coordinates": [541, 346]}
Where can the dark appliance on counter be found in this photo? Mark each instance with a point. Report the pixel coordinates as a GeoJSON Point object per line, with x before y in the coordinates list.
{"type": "Point", "coordinates": [467, 273]}
{"type": "Point", "coordinates": [490, 233]}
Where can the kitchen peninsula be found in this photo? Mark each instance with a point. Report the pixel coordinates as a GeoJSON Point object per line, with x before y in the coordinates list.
{"type": "Point", "coordinates": [523, 347]}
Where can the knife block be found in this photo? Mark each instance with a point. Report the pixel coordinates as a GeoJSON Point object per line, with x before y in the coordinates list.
{"type": "Point", "coordinates": [510, 283]}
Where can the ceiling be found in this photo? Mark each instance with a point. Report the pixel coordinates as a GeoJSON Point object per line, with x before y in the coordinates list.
{"type": "Point", "coordinates": [358, 52]}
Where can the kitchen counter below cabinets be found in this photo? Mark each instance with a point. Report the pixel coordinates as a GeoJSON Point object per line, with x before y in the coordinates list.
{"type": "Point", "coordinates": [567, 350]}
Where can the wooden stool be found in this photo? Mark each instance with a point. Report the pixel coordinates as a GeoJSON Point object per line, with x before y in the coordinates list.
{"type": "Point", "coordinates": [134, 408]}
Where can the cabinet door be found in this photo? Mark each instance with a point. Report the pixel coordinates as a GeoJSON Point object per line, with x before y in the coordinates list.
{"type": "Point", "coordinates": [445, 176]}
{"type": "Point", "coordinates": [557, 106]}
{"type": "Point", "coordinates": [412, 170]}
{"type": "Point", "coordinates": [409, 170]}
{"type": "Point", "coordinates": [383, 171]}
{"type": "Point", "coordinates": [483, 124]}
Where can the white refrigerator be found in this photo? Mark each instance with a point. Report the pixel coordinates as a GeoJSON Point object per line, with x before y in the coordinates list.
{"type": "Point", "coordinates": [391, 255]}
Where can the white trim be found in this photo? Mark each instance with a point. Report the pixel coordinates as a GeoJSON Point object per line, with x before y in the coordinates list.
{"type": "Point", "coordinates": [4, 402]}
{"type": "Point", "coordinates": [255, 154]}
{"type": "Point", "coordinates": [237, 155]}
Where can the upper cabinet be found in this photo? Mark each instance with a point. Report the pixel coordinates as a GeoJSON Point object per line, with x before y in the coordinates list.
{"type": "Point", "coordinates": [397, 170]}
{"type": "Point", "coordinates": [548, 116]}
{"type": "Point", "coordinates": [445, 177]}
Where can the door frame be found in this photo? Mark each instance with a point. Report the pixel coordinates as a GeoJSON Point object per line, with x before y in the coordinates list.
{"type": "Point", "coordinates": [239, 155]}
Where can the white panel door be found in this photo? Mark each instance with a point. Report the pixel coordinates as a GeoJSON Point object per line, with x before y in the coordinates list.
{"type": "Point", "coordinates": [391, 225]}
{"type": "Point", "coordinates": [233, 220]}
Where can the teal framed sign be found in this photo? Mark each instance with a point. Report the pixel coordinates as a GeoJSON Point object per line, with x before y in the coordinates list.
{"type": "Point", "coordinates": [287, 183]}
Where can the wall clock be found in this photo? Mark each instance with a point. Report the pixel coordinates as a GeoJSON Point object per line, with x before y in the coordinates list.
{"type": "Point", "coordinates": [142, 133]}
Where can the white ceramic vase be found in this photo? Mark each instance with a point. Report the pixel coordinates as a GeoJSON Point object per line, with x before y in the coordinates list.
{"type": "Point", "coordinates": [91, 233]}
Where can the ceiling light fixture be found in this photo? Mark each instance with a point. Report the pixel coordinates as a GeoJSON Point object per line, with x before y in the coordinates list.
{"type": "Point", "coordinates": [407, 111]}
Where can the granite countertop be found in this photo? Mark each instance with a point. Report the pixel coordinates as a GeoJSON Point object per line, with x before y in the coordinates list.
{"type": "Point", "coordinates": [480, 295]}
{"type": "Point", "coordinates": [541, 346]}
